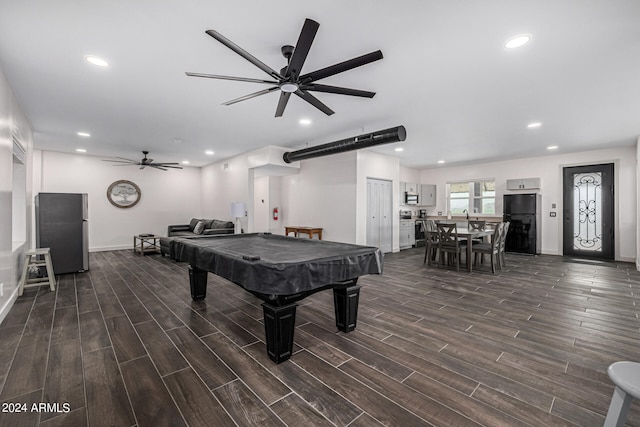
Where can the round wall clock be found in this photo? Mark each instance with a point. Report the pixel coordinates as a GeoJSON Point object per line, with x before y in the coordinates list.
{"type": "Point", "coordinates": [123, 194]}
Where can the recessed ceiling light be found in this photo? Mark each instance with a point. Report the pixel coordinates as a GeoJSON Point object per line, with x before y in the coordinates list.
{"type": "Point", "coordinates": [96, 60]}
{"type": "Point", "coordinates": [185, 162]}
{"type": "Point", "coordinates": [517, 41]}
{"type": "Point", "coordinates": [534, 125]}
{"type": "Point", "coordinates": [399, 149]}
{"type": "Point", "coordinates": [177, 140]}
{"type": "Point", "coordinates": [81, 150]}
{"type": "Point", "coordinates": [209, 152]}
{"type": "Point", "coordinates": [440, 161]}
{"type": "Point", "coordinates": [85, 134]}
{"type": "Point", "coordinates": [305, 122]}
{"type": "Point", "coordinates": [552, 147]}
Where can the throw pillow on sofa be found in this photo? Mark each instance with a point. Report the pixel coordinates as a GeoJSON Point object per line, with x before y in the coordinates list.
{"type": "Point", "coordinates": [199, 228]}
{"type": "Point", "coordinates": [193, 223]}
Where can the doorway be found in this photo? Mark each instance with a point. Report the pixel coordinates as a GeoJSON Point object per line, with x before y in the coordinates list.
{"type": "Point", "coordinates": [588, 227]}
{"type": "Point", "coordinates": [379, 214]}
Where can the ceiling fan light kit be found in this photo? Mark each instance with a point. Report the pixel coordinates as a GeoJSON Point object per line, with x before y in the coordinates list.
{"type": "Point", "coordinates": [289, 80]}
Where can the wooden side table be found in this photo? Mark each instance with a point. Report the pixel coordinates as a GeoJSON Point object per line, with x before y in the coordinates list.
{"type": "Point", "coordinates": [145, 244]}
{"type": "Point", "coordinates": [310, 231]}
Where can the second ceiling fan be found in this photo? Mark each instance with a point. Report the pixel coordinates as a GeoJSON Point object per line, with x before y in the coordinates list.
{"type": "Point", "coordinates": [289, 80]}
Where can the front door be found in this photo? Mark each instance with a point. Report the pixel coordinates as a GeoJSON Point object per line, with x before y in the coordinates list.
{"type": "Point", "coordinates": [588, 212]}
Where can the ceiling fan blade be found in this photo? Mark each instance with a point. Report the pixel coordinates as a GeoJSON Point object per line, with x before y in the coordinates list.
{"type": "Point", "coordinates": [238, 79]}
{"type": "Point", "coordinates": [341, 67]}
{"type": "Point", "coordinates": [314, 101]}
{"type": "Point", "coordinates": [162, 164]}
{"type": "Point", "coordinates": [133, 162]}
{"type": "Point", "coordinates": [159, 167]}
{"type": "Point", "coordinates": [308, 33]}
{"type": "Point", "coordinates": [338, 90]}
{"type": "Point", "coordinates": [246, 55]}
{"type": "Point", "coordinates": [142, 166]}
{"type": "Point", "coordinates": [128, 164]}
{"type": "Point", "coordinates": [282, 103]}
{"type": "Point", "coordinates": [251, 95]}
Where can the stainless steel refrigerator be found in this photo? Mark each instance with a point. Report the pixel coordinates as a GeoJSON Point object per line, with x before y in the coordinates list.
{"type": "Point", "coordinates": [61, 225]}
{"type": "Point", "coordinates": [523, 211]}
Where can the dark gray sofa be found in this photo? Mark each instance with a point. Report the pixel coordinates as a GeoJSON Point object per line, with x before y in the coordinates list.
{"type": "Point", "coordinates": [212, 227]}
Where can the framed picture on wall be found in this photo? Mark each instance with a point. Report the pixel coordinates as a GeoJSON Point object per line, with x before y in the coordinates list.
{"type": "Point", "coordinates": [123, 194]}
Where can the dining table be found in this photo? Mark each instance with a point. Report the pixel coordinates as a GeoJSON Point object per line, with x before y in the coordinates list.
{"type": "Point", "coordinates": [467, 234]}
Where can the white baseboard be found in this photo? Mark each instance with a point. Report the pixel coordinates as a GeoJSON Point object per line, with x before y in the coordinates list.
{"type": "Point", "coordinates": [110, 248]}
{"type": "Point", "coordinates": [8, 304]}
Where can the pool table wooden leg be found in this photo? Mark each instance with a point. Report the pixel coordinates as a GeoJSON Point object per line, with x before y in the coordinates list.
{"type": "Point", "coordinates": [198, 283]}
{"type": "Point", "coordinates": [345, 301]}
{"type": "Point", "coordinates": [279, 324]}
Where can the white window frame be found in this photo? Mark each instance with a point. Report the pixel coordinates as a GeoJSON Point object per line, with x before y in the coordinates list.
{"type": "Point", "coordinates": [471, 198]}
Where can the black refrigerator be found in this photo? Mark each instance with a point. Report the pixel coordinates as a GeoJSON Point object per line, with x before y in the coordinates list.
{"type": "Point", "coordinates": [523, 211]}
{"type": "Point", "coordinates": [61, 226]}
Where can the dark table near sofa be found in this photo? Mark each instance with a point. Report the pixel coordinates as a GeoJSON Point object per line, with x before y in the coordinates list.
{"type": "Point", "coordinates": [280, 271]}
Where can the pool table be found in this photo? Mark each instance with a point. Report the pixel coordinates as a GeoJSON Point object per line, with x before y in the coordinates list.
{"type": "Point", "coordinates": [280, 271]}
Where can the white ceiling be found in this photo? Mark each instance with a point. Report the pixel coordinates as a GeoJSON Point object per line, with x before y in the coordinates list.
{"type": "Point", "coordinates": [445, 75]}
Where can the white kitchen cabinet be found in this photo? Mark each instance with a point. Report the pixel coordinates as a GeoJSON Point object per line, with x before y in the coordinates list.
{"type": "Point", "coordinates": [427, 195]}
{"type": "Point", "coordinates": [407, 234]}
{"type": "Point", "coordinates": [523, 184]}
{"type": "Point", "coordinates": [410, 187]}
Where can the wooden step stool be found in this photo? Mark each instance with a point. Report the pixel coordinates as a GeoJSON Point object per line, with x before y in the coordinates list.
{"type": "Point", "coordinates": [626, 377]}
{"type": "Point", "coordinates": [32, 259]}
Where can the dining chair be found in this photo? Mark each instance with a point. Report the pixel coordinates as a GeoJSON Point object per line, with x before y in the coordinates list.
{"type": "Point", "coordinates": [503, 238]}
{"type": "Point", "coordinates": [491, 248]}
{"type": "Point", "coordinates": [448, 243]}
{"type": "Point", "coordinates": [431, 240]}
{"type": "Point", "coordinates": [476, 225]}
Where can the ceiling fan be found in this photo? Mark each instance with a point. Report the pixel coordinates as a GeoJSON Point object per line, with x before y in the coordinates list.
{"type": "Point", "coordinates": [289, 80]}
{"type": "Point", "coordinates": [143, 163]}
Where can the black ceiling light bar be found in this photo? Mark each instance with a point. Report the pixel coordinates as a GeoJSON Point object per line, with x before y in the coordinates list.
{"type": "Point", "coordinates": [398, 133]}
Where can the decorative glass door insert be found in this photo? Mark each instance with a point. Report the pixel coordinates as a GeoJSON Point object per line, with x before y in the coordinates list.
{"type": "Point", "coordinates": [587, 200]}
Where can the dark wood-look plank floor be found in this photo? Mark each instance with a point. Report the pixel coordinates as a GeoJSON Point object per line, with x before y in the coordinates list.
{"type": "Point", "coordinates": [123, 344]}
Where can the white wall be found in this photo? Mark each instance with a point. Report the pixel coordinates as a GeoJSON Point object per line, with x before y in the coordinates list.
{"type": "Point", "coordinates": [221, 186]}
{"type": "Point", "coordinates": [637, 204]}
{"type": "Point", "coordinates": [261, 204]}
{"type": "Point", "coordinates": [374, 165]}
{"type": "Point", "coordinates": [409, 174]}
{"type": "Point", "coordinates": [275, 201]}
{"type": "Point", "coordinates": [168, 197]}
{"type": "Point", "coordinates": [323, 194]}
{"type": "Point", "coordinates": [12, 122]}
{"type": "Point", "coordinates": [549, 169]}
